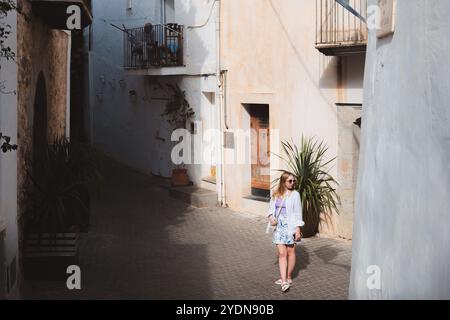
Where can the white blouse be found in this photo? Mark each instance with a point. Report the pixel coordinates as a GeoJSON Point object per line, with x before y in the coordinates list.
{"type": "Point", "coordinates": [293, 210]}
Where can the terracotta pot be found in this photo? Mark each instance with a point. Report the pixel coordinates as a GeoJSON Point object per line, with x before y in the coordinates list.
{"type": "Point", "coordinates": [311, 227]}
{"type": "Point", "coordinates": [309, 230]}
{"type": "Point", "coordinates": [180, 178]}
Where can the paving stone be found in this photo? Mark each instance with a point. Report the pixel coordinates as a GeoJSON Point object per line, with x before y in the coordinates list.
{"type": "Point", "coordinates": [144, 244]}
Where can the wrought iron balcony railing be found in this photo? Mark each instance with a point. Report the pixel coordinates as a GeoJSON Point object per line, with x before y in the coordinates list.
{"type": "Point", "coordinates": [54, 12]}
{"type": "Point", "coordinates": [340, 32]}
{"type": "Point", "coordinates": [153, 46]}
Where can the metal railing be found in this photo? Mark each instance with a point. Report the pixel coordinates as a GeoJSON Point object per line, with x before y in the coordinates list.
{"type": "Point", "coordinates": [153, 46]}
{"type": "Point", "coordinates": [336, 26]}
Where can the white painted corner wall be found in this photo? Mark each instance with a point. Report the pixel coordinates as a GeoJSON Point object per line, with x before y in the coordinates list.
{"type": "Point", "coordinates": [402, 218]}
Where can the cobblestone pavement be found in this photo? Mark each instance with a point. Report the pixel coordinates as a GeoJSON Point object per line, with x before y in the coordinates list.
{"type": "Point", "coordinates": [144, 245]}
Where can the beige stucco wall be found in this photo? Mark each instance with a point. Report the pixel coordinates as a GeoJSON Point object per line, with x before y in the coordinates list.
{"type": "Point", "coordinates": [268, 50]}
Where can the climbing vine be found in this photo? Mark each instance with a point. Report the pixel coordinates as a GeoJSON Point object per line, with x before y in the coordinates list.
{"type": "Point", "coordinates": [6, 145]}
{"type": "Point", "coordinates": [5, 30]}
{"type": "Point", "coordinates": [5, 53]}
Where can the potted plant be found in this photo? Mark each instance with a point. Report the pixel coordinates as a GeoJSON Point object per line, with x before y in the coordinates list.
{"type": "Point", "coordinates": [314, 183]}
{"type": "Point", "coordinates": [177, 113]}
{"type": "Point", "coordinates": [56, 210]}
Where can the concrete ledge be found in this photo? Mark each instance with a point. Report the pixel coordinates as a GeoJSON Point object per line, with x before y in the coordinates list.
{"type": "Point", "coordinates": [163, 71]}
{"type": "Point", "coordinates": [208, 183]}
{"type": "Point", "coordinates": [258, 198]}
{"type": "Point", "coordinates": [197, 197]}
{"type": "Point", "coordinates": [211, 180]}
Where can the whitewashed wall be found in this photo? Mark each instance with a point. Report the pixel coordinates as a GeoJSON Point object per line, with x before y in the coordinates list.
{"type": "Point", "coordinates": [128, 129]}
{"type": "Point", "coordinates": [8, 162]}
{"type": "Point", "coordinates": [403, 206]}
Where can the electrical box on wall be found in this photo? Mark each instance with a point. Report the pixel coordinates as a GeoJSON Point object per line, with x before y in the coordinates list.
{"type": "Point", "coordinates": [228, 140]}
{"type": "Point", "coordinates": [388, 12]}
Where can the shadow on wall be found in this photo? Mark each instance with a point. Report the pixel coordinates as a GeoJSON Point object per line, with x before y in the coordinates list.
{"type": "Point", "coordinates": [195, 47]}
{"type": "Point", "coordinates": [328, 72]}
{"type": "Point", "coordinates": [385, 41]}
{"type": "Point", "coordinates": [2, 262]}
{"type": "Point", "coordinates": [342, 72]}
{"type": "Point", "coordinates": [145, 136]}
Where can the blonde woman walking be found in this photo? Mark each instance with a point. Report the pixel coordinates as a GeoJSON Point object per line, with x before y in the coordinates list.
{"type": "Point", "coordinates": [285, 212]}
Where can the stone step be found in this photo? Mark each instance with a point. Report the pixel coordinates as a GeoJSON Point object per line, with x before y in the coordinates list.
{"type": "Point", "coordinates": [195, 196]}
{"type": "Point", "coordinates": [256, 205]}
{"type": "Point", "coordinates": [162, 182]}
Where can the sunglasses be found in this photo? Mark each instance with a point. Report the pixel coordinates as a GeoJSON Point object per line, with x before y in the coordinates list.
{"type": "Point", "coordinates": [291, 181]}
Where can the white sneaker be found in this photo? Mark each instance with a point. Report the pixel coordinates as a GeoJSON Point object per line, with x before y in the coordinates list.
{"type": "Point", "coordinates": [285, 286]}
{"type": "Point", "coordinates": [280, 282]}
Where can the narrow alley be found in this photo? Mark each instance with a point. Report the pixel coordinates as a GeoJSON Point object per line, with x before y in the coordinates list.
{"type": "Point", "coordinates": [142, 244]}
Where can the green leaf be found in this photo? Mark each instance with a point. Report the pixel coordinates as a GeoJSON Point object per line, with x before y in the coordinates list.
{"type": "Point", "coordinates": [309, 163]}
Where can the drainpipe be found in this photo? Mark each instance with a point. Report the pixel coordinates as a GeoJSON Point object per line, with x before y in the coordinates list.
{"type": "Point", "coordinates": [220, 103]}
{"type": "Point", "coordinates": [225, 112]}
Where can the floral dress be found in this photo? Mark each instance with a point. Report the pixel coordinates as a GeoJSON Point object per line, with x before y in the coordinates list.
{"type": "Point", "coordinates": [281, 234]}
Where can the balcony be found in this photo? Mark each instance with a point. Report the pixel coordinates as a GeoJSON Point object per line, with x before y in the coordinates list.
{"type": "Point", "coordinates": [338, 31]}
{"type": "Point", "coordinates": [54, 12]}
{"type": "Point", "coordinates": [153, 47]}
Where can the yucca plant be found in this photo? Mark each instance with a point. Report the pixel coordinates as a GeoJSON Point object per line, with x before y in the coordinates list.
{"type": "Point", "coordinates": [56, 207]}
{"type": "Point", "coordinates": [56, 201]}
{"type": "Point", "coordinates": [314, 183]}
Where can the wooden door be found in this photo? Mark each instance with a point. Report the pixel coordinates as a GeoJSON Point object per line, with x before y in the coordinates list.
{"type": "Point", "coordinates": [260, 145]}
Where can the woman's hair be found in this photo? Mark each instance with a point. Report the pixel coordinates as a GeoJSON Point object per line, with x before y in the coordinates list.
{"type": "Point", "coordinates": [282, 184]}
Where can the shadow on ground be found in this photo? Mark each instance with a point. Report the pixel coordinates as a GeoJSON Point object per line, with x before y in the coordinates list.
{"type": "Point", "coordinates": [128, 252]}
{"type": "Point", "coordinates": [329, 253]}
{"type": "Point", "coordinates": [142, 244]}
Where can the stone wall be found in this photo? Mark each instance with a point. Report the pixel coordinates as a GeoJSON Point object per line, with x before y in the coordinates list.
{"type": "Point", "coordinates": [40, 49]}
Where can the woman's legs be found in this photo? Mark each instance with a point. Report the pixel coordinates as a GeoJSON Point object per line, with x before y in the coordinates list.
{"type": "Point", "coordinates": [282, 261]}
{"type": "Point", "coordinates": [290, 261]}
